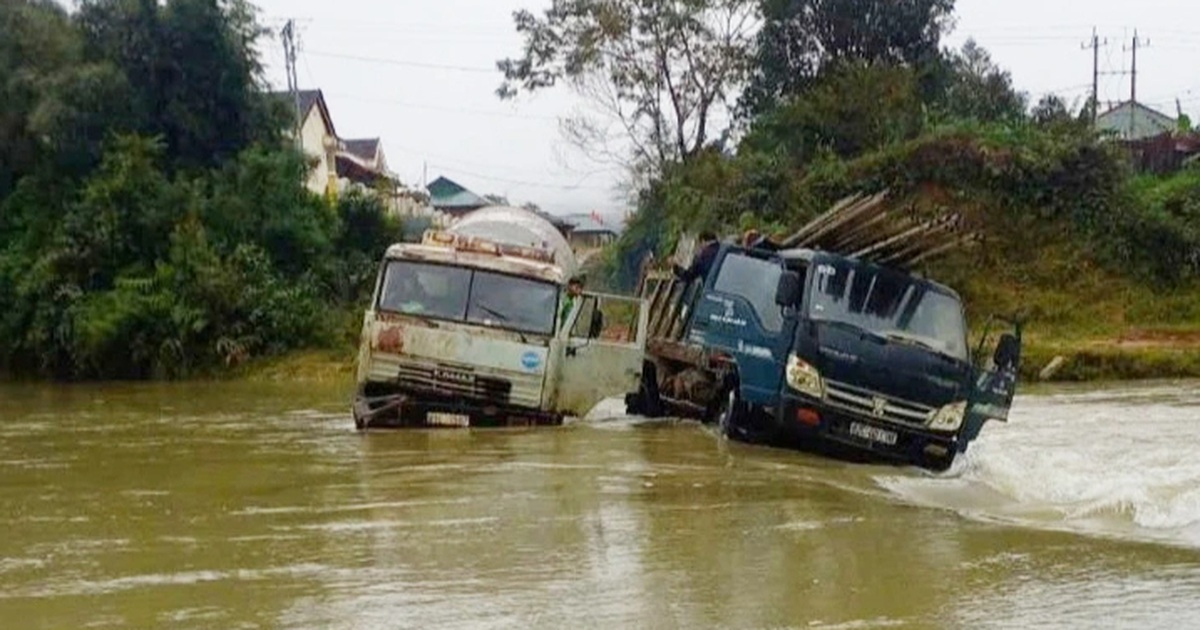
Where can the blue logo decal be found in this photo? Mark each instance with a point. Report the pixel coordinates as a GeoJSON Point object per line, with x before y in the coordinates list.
{"type": "Point", "coordinates": [531, 360]}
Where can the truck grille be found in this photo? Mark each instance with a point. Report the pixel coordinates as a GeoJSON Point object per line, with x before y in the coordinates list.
{"type": "Point", "coordinates": [446, 379]}
{"type": "Point", "coordinates": [869, 404]}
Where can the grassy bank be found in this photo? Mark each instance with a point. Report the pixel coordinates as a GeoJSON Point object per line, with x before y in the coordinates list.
{"type": "Point", "coordinates": [306, 365]}
{"type": "Point", "coordinates": [1140, 356]}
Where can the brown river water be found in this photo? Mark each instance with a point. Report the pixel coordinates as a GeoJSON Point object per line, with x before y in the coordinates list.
{"type": "Point", "coordinates": [244, 505]}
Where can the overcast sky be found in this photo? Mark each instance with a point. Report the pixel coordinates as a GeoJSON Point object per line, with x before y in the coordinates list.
{"type": "Point", "coordinates": [375, 61]}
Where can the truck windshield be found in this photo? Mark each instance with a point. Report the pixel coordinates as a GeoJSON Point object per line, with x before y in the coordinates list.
{"type": "Point", "coordinates": [893, 305]}
{"type": "Point", "coordinates": [469, 295]}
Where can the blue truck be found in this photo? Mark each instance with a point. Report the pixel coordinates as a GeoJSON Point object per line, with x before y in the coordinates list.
{"type": "Point", "coordinates": [809, 348]}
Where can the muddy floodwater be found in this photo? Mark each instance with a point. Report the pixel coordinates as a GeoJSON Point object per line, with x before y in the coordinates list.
{"type": "Point", "coordinates": [252, 506]}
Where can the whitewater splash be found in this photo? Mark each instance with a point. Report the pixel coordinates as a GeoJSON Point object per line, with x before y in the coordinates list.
{"type": "Point", "coordinates": [1123, 463]}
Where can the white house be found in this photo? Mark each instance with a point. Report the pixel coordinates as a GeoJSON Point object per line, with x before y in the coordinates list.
{"type": "Point", "coordinates": [339, 165]}
{"type": "Point", "coordinates": [1133, 121]}
{"type": "Point", "coordinates": [318, 139]}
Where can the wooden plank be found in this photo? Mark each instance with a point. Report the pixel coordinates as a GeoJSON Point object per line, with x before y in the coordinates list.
{"type": "Point", "coordinates": [680, 351]}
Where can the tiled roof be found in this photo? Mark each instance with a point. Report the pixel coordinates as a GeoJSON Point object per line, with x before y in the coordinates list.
{"type": "Point", "coordinates": [309, 99]}
{"type": "Point", "coordinates": [444, 193]}
{"type": "Point", "coordinates": [587, 224]}
{"type": "Point", "coordinates": [364, 148]}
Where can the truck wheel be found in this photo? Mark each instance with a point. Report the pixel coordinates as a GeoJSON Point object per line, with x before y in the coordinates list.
{"type": "Point", "coordinates": [731, 413]}
{"type": "Point", "coordinates": [940, 464]}
{"type": "Point", "coordinates": [646, 402]}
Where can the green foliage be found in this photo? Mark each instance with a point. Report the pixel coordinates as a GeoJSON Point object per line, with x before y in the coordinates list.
{"type": "Point", "coordinates": [853, 109]}
{"type": "Point", "coordinates": [1164, 234]}
{"type": "Point", "coordinates": [151, 224]}
{"type": "Point", "coordinates": [967, 85]}
{"type": "Point", "coordinates": [800, 39]}
{"type": "Point", "coordinates": [193, 72]}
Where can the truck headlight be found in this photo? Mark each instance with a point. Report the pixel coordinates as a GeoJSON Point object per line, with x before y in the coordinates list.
{"type": "Point", "coordinates": [948, 418]}
{"type": "Point", "coordinates": [804, 378]}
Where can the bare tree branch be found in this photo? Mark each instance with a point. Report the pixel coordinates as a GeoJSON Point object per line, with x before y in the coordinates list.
{"type": "Point", "coordinates": [661, 70]}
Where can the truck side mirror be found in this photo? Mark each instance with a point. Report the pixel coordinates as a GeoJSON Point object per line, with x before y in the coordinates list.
{"type": "Point", "coordinates": [597, 324]}
{"type": "Point", "coordinates": [1008, 352]}
{"type": "Point", "coordinates": [787, 293]}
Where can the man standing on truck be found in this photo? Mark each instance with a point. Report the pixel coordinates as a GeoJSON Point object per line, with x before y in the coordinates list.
{"type": "Point", "coordinates": [574, 290]}
{"type": "Point", "coordinates": [702, 262]}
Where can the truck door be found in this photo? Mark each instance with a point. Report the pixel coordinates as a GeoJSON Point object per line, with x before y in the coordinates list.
{"type": "Point", "coordinates": [738, 315]}
{"type": "Point", "coordinates": [605, 345]}
{"type": "Point", "coordinates": [995, 383]}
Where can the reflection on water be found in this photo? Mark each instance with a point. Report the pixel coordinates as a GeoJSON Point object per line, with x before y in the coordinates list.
{"type": "Point", "coordinates": [238, 505]}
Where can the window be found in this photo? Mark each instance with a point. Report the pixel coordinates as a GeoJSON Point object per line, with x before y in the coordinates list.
{"type": "Point", "coordinates": [891, 304]}
{"type": "Point", "coordinates": [465, 295]}
{"type": "Point", "coordinates": [511, 302]}
{"type": "Point", "coordinates": [436, 291]}
{"type": "Point", "coordinates": [756, 281]}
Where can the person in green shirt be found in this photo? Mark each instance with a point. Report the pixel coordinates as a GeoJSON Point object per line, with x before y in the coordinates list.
{"type": "Point", "coordinates": [574, 291]}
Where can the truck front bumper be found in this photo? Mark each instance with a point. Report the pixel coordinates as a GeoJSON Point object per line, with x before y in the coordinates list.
{"type": "Point", "coordinates": [422, 411]}
{"type": "Point", "coordinates": [806, 419]}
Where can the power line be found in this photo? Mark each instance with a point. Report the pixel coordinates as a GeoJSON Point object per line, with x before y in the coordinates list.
{"type": "Point", "coordinates": [577, 186]}
{"type": "Point", "coordinates": [444, 109]}
{"type": "Point", "coordinates": [404, 63]}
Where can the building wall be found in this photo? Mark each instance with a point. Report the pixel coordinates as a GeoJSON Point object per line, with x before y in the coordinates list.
{"type": "Point", "coordinates": [313, 139]}
{"type": "Point", "coordinates": [1134, 126]}
{"type": "Point", "coordinates": [591, 240]}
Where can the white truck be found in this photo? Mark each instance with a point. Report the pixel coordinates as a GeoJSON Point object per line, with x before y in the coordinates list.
{"type": "Point", "coordinates": [468, 328]}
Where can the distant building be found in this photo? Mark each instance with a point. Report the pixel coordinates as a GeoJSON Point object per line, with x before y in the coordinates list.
{"type": "Point", "coordinates": [453, 199]}
{"type": "Point", "coordinates": [339, 165]}
{"type": "Point", "coordinates": [318, 139]}
{"type": "Point", "coordinates": [1134, 121]}
{"type": "Point", "coordinates": [590, 232]}
{"type": "Point", "coordinates": [362, 161]}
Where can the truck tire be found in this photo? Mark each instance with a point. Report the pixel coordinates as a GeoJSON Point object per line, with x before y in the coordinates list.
{"type": "Point", "coordinates": [646, 401]}
{"type": "Point", "coordinates": [731, 413]}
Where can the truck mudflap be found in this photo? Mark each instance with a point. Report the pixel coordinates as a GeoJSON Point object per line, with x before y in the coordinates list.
{"type": "Point", "coordinates": [808, 421]}
{"type": "Point", "coordinates": [405, 411]}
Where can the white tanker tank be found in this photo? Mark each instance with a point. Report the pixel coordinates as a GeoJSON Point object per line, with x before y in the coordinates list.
{"type": "Point", "coordinates": [521, 228]}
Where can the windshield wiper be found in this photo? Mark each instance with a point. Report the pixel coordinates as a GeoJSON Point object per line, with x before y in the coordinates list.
{"type": "Point", "coordinates": [502, 317]}
{"type": "Point", "coordinates": [493, 312]}
{"type": "Point", "coordinates": [920, 343]}
{"type": "Point", "coordinates": [863, 332]}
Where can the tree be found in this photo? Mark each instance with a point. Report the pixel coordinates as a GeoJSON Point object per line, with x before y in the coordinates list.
{"type": "Point", "coordinates": [853, 109]}
{"type": "Point", "coordinates": [193, 71]}
{"type": "Point", "coordinates": [36, 47]}
{"type": "Point", "coordinates": [660, 71]}
{"type": "Point", "coordinates": [974, 87]}
{"type": "Point", "coordinates": [799, 39]}
{"type": "Point", "coordinates": [1051, 112]}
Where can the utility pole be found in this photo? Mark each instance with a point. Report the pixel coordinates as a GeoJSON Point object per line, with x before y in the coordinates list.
{"type": "Point", "coordinates": [1095, 46]}
{"type": "Point", "coordinates": [1133, 84]}
{"type": "Point", "coordinates": [289, 53]}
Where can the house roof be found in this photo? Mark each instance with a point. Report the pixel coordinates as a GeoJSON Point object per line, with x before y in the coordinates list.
{"type": "Point", "coordinates": [309, 99]}
{"type": "Point", "coordinates": [590, 224]}
{"type": "Point", "coordinates": [559, 222]}
{"type": "Point", "coordinates": [1134, 121]}
{"type": "Point", "coordinates": [445, 193]}
{"type": "Point", "coordinates": [363, 148]}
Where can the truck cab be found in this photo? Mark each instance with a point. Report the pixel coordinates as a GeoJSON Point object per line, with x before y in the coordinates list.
{"type": "Point", "coordinates": [811, 347]}
{"type": "Point", "coordinates": [465, 331]}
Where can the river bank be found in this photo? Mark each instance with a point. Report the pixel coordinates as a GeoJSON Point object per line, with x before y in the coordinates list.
{"type": "Point", "coordinates": [1141, 355]}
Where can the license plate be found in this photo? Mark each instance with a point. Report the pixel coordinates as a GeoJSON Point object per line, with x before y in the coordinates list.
{"type": "Point", "coordinates": [439, 419]}
{"type": "Point", "coordinates": [868, 432]}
